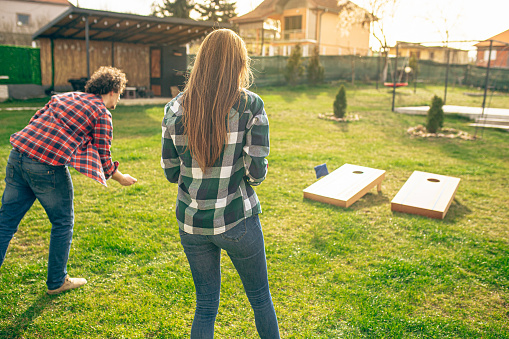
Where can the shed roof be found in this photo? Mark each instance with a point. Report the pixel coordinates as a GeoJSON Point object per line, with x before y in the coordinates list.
{"type": "Point", "coordinates": [123, 27]}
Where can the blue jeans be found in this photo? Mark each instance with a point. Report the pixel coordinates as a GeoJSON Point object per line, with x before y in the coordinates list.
{"type": "Point", "coordinates": [27, 180]}
{"type": "Point", "coordinates": [245, 246]}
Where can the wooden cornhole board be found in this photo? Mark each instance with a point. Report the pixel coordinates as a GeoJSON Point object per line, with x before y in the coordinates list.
{"type": "Point", "coordinates": [345, 185]}
{"type": "Point", "coordinates": [426, 194]}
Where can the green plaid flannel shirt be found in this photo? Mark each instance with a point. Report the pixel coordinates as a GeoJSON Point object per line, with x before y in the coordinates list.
{"type": "Point", "coordinates": [214, 201]}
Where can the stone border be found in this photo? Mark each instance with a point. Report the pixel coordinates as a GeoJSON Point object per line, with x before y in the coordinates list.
{"type": "Point", "coordinates": [450, 133]}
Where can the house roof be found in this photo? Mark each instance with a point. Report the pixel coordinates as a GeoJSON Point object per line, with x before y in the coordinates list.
{"type": "Point", "coordinates": [52, 2]}
{"type": "Point", "coordinates": [501, 39]}
{"type": "Point", "coordinates": [123, 27]}
{"type": "Point", "coordinates": [269, 7]}
{"type": "Point", "coordinates": [416, 45]}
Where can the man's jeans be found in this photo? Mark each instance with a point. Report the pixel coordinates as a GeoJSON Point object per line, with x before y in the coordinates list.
{"type": "Point", "coordinates": [27, 180]}
{"type": "Point", "coordinates": [245, 246]}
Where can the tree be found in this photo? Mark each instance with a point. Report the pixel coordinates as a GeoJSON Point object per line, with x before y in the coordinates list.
{"type": "Point", "coordinates": [413, 63]}
{"type": "Point", "coordinates": [435, 117]}
{"type": "Point", "coordinates": [371, 13]}
{"type": "Point", "coordinates": [294, 67]}
{"type": "Point", "coordinates": [175, 8]}
{"type": "Point", "coordinates": [217, 10]}
{"type": "Point", "coordinates": [315, 70]}
{"type": "Point", "coordinates": [340, 103]}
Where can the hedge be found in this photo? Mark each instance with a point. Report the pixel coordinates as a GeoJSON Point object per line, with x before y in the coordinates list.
{"type": "Point", "coordinates": [21, 64]}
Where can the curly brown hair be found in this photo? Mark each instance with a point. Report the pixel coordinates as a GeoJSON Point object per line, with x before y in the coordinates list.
{"type": "Point", "coordinates": [105, 80]}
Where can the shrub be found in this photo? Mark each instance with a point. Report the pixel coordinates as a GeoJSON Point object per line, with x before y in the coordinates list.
{"type": "Point", "coordinates": [435, 117]}
{"type": "Point", "coordinates": [294, 68]}
{"type": "Point", "coordinates": [314, 69]}
{"type": "Point", "coordinates": [340, 103]}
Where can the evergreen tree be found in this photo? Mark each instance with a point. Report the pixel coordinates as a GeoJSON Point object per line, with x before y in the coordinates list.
{"type": "Point", "coordinates": [315, 70]}
{"type": "Point", "coordinates": [414, 65]}
{"type": "Point", "coordinates": [217, 10]}
{"type": "Point", "coordinates": [294, 67]}
{"type": "Point", "coordinates": [173, 8]}
{"type": "Point", "coordinates": [340, 103]}
{"type": "Point", "coordinates": [435, 117]}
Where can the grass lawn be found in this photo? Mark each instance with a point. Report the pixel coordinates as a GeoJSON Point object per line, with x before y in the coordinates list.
{"type": "Point", "coordinates": [359, 272]}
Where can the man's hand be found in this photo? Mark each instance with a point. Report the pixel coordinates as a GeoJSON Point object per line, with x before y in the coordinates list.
{"type": "Point", "coordinates": [123, 179]}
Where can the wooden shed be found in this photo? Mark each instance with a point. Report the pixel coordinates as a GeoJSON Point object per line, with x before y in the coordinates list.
{"type": "Point", "coordinates": [150, 50]}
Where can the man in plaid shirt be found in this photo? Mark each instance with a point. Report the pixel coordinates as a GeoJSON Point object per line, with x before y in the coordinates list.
{"type": "Point", "coordinates": [73, 129]}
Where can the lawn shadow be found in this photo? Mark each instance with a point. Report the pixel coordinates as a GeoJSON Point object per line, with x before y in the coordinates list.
{"type": "Point", "coordinates": [311, 95]}
{"type": "Point", "coordinates": [456, 212]}
{"type": "Point", "coordinates": [22, 321]}
{"type": "Point", "coordinates": [343, 126]}
{"type": "Point", "coordinates": [370, 200]}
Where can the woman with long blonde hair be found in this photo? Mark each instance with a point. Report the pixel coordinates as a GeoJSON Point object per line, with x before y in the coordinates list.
{"type": "Point", "coordinates": [214, 145]}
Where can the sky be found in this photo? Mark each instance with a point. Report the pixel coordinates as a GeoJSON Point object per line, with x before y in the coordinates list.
{"type": "Point", "coordinates": [411, 20]}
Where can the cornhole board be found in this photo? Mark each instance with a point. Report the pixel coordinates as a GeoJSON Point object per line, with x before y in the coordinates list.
{"type": "Point", "coordinates": [345, 185]}
{"type": "Point", "coordinates": [426, 194]}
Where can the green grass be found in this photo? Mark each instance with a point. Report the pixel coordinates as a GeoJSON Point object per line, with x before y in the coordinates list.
{"type": "Point", "coordinates": [359, 272]}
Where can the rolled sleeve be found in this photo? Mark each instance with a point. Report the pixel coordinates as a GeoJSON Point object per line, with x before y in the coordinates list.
{"type": "Point", "coordinates": [257, 147]}
{"type": "Point", "coordinates": [102, 138]}
{"type": "Point", "coordinates": [170, 161]}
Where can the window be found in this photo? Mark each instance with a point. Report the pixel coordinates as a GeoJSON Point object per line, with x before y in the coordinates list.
{"type": "Point", "coordinates": [293, 22]}
{"type": "Point", "coordinates": [415, 54]}
{"type": "Point", "coordinates": [23, 19]}
{"type": "Point", "coordinates": [487, 54]}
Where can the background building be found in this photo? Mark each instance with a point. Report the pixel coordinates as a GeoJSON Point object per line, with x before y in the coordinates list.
{"type": "Point", "coordinates": [432, 53]}
{"type": "Point", "coordinates": [275, 26]}
{"type": "Point", "coordinates": [20, 19]}
{"type": "Point", "coordinates": [499, 51]}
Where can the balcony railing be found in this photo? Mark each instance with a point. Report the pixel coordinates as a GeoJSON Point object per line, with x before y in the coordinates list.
{"type": "Point", "coordinates": [294, 34]}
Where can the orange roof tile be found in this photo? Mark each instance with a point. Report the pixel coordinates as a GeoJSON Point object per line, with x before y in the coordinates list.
{"type": "Point", "coordinates": [268, 7]}
{"type": "Point", "coordinates": [503, 37]}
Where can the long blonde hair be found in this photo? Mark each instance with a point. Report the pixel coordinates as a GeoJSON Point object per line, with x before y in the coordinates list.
{"type": "Point", "coordinates": [220, 74]}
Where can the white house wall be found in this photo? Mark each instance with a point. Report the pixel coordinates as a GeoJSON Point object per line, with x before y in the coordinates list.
{"type": "Point", "coordinates": [39, 14]}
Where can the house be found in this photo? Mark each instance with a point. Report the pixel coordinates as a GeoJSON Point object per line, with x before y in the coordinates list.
{"type": "Point", "coordinates": [275, 26]}
{"type": "Point", "coordinates": [432, 53]}
{"type": "Point", "coordinates": [499, 51]}
{"type": "Point", "coordinates": [19, 19]}
{"type": "Point", "coordinates": [150, 50]}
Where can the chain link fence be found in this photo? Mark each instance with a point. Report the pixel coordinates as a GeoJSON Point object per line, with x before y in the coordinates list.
{"type": "Point", "coordinates": [269, 71]}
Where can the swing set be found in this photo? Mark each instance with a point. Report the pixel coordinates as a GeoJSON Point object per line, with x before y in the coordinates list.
{"type": "Point", "coordinates": [399, 82]}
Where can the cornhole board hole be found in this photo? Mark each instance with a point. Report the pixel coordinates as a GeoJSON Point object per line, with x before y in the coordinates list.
{"type": "Point", "coordinates": [345, 185]}
{"type": "Point", "coordinates": [426, 194]}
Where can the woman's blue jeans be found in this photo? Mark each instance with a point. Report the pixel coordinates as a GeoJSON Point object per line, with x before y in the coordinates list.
{"type": "Point", "coordinates": [27, 180]}
{"type": "Point", "coordinates": [245, 245]}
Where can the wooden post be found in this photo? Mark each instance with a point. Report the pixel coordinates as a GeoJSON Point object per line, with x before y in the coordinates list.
{"type": "Point", "coordinates": [87, 43]}
{"type": "Point", "coordinates": [112, 54]}
{"type": "Point", "coordinates": [52, 46]}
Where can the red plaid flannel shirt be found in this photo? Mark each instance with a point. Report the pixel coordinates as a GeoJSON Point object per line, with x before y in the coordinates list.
{"type": "Point", "coordinates": [73, 129]}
